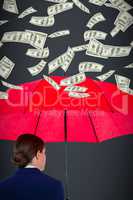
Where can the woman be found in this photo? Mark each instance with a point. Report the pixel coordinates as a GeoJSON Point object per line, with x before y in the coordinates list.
{"type": "Point", "coordinates": [29, 182]}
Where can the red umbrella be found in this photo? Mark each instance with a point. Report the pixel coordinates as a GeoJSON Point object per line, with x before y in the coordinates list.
{"type": "Point", "coordinates": [41, 110]}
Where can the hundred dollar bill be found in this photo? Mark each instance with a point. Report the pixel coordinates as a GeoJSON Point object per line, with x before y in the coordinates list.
{"type": "Point", "coordinates": [75, 79]}
{"type": "Point", "coordinates": [121, 5]}
{"type": "Point", "coordinates": [98, 2]}
{"type": "Point", "coordinates": [81, 6]}
{"type": "Point", "coordinates": [75, 88]}
{"type": "Point", "coordinates": [6, 67]}
{"type": "Point", "coordinates": [63, 61]}
{"type": "Point", "coordinates": [1, 44]}
{"type": "Point", "coordinates": [93, 34]}
{"type": "Point", "coordinates": [3, 95]}
{"type": "Point", "coordinates": [80, 48]}
{"type": "Point", "coordinates": [129, 66]}
{"type": "Point", "coordinates": [98, 49]}
{"type": "Point", "coordinates": [123, 21]}
{"type": "Point", "coordinates": [3, 22]}
{"type": "Point", "coordinates": [96, 18]}
{"type": "Point", "coordinates": [131, 44]}
{"type": "Point", "coordinates": [90, 67]}
{"type": "Point", "coordinates": [105, 76]}
{"type": "Point", "coordinates": [35, 70]}
{"type": "Point", "coordinates": [12, 86]}
{"type": "Point", "coordinates": [52, 82]}
{"type": "Point", "coordinates": [122, 82]}
{"type": "Point", "coordinates": [59, 33]}
{"type": "Point", "coordinates": [10, 6]}
{"type": "Point", "coordinates": [78, 95]}
{"type": "Point", "coordinates": [38, 53]}
{"type": "Point", "coordinates": [130, 91]}
{"type": "Point", "coordinates": [43, 21]}
{"type": "Point", "coordinates": [37, 39]}
{"type": "Point", "coordinates": [26, 12]}
{"type": "Point", "coordinates": [58, 8]}
{"type": "Point", "coordinates": [16, 36]}
{"type": "Point", "coordinates": [57, 1]}
{"type": "Point", "coordinates": [68, 57]}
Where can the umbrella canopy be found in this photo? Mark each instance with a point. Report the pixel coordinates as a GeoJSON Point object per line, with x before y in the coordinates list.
{"type": "Point", "coordinates": [40, 110]}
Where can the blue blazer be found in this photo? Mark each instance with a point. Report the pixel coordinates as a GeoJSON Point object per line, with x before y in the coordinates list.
{"type": "Point", "coordinates": [31, 184]}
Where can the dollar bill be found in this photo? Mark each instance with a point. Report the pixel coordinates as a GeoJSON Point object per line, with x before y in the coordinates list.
{"type": "Point", "coordinates": [121, 5]}
{"type": "Point", "coordinates": [63, 61]}
{"type": "Point", "coordinates": [6, 67]}
{"type": "Point", "coordinates": [1, 44]}
{"type": "Point", "coordinates": [26, 12]}
{"type": "Point", "coordinates": [130, 66]}
{"type": "Point", "coordinates": [93, 34]}
{"type": "Point", "coordinates": [12, 86]}
{"type": "Point", "coordinates": [59, 8]}
{"type": "Point", "coordinates": [34, 38]}
{"type": "Point", "coordinates": [57, 1]}
{"type": "Point", "coordinates": [81, 6]}
{"type": "Point", "coordinates": [75, 88]}
{"type": "Point", "coordinates": [105, 76]}
{"type": "Point", "coordinates": [80, 48]}
{"type": "Point", "coordinates": [131, 44]}
{"type": "Point", "coordinates": [75, 79]}
{"type": "Point", "coordinates": [52, 82]}
{"type": "Point", "coordinates": [59, 33]}
{"type": "Point", "coordinates": [37, 39]}
{"type": "Point", "coordinates": [68, 57]}
{"type": "Point", "coordinates": [16, 36]}
{"type": "Point", "coordinates": [78, 95]}
{"type": "Point", "coordinates": [3, 22]}
{"type": "Point", "coordinates": [98, 2]}
{"type": "Point", "coordinates": [43, 21]}
{"type": "Point", "coordinates": [123, 21]}
{"type": "Point", "coordinates": [38, 53]}
{"type": "Point", "coordinates": [90, 67]}
{"type": "Point", "coordinates": [10, 6]}
{"type": "Point", "coordinates": [35, 70]}
{"type": "Point", "coordinates": [130, 91]}
{"type": "Point", "coordinates": [122, 82]}
{"type": "Point", "coordinates": [95, 19]}
{"type": "Point", "coordinates": [97, 49]}
{"type": "Point", "coordinates": [3, 95]}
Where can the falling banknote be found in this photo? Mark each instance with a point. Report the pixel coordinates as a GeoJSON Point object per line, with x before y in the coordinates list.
{"type": "Point", "coordinates": [105, 76]}
{"type": "Point", "coordinates": [95, 19]}
{"type": "Point", "coordinates": [26, 12]}
{"type": "Point", "coordinates": [52, 82]}
{"type": "Point", "coordinates": [78, 95]}
{"type": "Point", "coordinates": [10, 6]}
{"type": "Point", "coordinates": [63, 61]}
{"type": "Point", "coordinates": [59, 34]}
{"type": "Point", "coordinates": [75, 79]}
{"type": "Point", "coordinates": [75, 88]}
{"type": "Point", "coordinates": [90, 67]}
{"type": "Point", "coordinates": [6, 67]}
{"type": "Point", "coordinates": [12, 86]}
{"type": "Point", "coordinates": [81, 6]}
{"type": "Point", "coordinates": [59, 8]}
{"type": "Point", "coordinates": [93, 34]}
{"type": "Point", "coordinates": [122, 83]}
{"type": "Point", "coordinates": [38, 53]}
{"type": "Point", "coordinates": [43, 21]}
{"type": "Point", "coordinates": [35, 70]}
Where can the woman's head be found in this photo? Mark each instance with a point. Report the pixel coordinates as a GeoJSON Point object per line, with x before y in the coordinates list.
{"type": "Point", "coordinates": [29, 149]}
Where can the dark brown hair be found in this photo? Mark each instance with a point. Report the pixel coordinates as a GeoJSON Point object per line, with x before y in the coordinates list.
{"type": "Point", "coordinates": [25, 148]}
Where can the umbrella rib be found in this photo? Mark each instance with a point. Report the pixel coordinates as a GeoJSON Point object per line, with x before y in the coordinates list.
{"type": "Point", "coordinates": [37, 123]}
{"type": "Point", "coordinates": [93, 127]}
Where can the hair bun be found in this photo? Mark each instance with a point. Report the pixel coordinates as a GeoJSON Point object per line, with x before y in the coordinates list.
{"type": "Point", "coordinates": [20, 160]}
